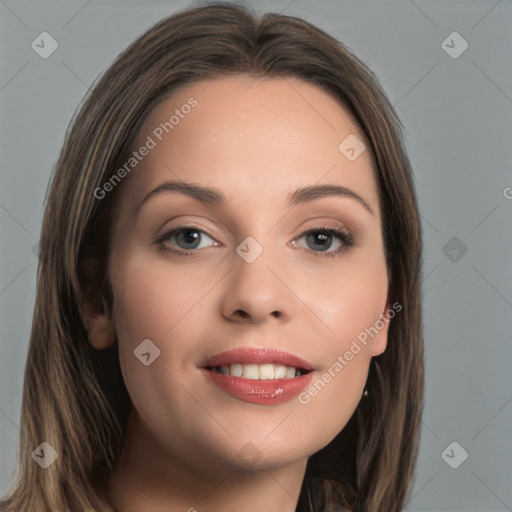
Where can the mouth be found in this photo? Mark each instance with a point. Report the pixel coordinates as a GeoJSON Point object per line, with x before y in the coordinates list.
{"type": "Point", "coordinates": [260, 376]}
{"type": "Point", "coordinates": [259, 371]}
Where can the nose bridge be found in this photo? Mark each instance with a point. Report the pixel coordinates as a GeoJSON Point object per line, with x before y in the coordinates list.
{"type": "Point", "coordinates": [255, 288]}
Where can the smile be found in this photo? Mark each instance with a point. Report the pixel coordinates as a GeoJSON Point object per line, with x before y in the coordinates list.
{"type": "Point", "coordinates": [259, 376]}
{"type": "Point", "coordinates": [259, 371]}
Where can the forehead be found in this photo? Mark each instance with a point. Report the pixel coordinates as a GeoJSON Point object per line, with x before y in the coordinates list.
{"type": "Point", "coordinates": [253, 139]}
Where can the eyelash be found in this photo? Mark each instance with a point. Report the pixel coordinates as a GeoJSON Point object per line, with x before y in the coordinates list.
{"type": "Point", "coordinates": [345, 238]}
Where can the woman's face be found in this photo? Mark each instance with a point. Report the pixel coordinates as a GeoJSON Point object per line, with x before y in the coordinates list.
{"type": "Point", "coordinates": [259, 273]}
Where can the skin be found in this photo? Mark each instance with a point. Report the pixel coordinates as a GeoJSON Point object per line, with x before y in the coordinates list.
{"type": "Point", "coordinates": [256, 141]}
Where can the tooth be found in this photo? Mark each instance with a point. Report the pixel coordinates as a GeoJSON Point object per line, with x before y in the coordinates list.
{"type": "Point", "coordinates": [290, 373]}
{"type": "Point", "coordinates": [266, 371]}
{"type": "Point", "coordinates": [236, 369]}
{"type": "Point", "coordinates": [279, 371]}
{"type": "Point", "coordinates": [258, 372]}
{"type": "Point", "coordinates": [251, 371]}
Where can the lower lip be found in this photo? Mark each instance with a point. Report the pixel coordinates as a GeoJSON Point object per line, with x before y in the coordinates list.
{"type": "Point", "coordinates": [264, 392]}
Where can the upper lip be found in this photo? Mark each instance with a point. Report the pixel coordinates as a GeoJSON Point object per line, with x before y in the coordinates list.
{"type": "Point", "coordinates": [257, 356]}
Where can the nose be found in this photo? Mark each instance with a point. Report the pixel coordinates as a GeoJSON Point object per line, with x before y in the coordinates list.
{"type": "Point", "coordinates": [257, 292]}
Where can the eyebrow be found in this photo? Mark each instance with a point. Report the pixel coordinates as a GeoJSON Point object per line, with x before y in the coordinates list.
{"type": "Point", "coordinates": [214, 196]}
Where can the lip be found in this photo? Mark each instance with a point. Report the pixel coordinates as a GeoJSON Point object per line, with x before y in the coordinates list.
{"type": "Point", "coordinates": [257, 356]}
{"type": "Point", "coordinates": [263, 392]}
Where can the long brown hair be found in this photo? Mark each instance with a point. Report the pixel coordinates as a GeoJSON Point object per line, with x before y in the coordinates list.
{"type": "Point", "coordinates": [74, 397]}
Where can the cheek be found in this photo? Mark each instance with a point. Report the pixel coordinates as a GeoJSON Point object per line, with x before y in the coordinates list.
{"type": "Point", "coordinates": [349, 304]}
{"type": "Point", "coordinates": [347, 300]}
{"type": "Point", "coordinates": [155, 302]}
{"type": "Point", "coordinates": [152, 297]}
{"type": "Point", "coordinates": [332, 397]}
{"type": "Point", "coordinates": [165, 306]}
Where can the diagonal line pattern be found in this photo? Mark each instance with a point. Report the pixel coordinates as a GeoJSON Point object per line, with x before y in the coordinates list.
{"type": "Point", "coordinates": [199, 300]}
{"type": "Point", "coordinates": [286, 6]}
{"type": "Point", "coordinates": [429, 223]}
{"type": "Point", "coordinates": [492, 81]}
{"type": "Point", "coordinates": [425, 14]}
{"type": "Point", "coordinates": [278, 424]}
{"type": "Point", "coordinates": [490, 490]}
{"type": "Point", "coordinates": [485, 15]}
{"type": "Point", "coordinates": [488, 215]}
{"type": "Point", "coordinates": [209, 493]}
{"type": "Point", "coordinates": [13, 279]}
{"type": "Point", "coordinates": [421, 489]}
{"type": "Point", "coordinates": [318, 181]}
{"type": "Point", "coordinates": [203, 203]}
{"type": "Point", "coordinates": [13, 218]}
{"type": "Point", "coordinates": [199, 403]}
{"type": "Point", "coordinates": [417, 83]}
{"type": "Point", "coordinates": [14, 423]}
{"type": "Point", "coordinates": [501, 408]}
{"type": "Point", "coordinates": [14, 14]}
{"type": "Point", "coordinates": [428, 275]}
{"type": "Point", "coordinates": [288, 82]}
{"type": "Point", "coordinates": [88, 88]}
{"type": "Point", "coordinates": [493, 287]}
{"type": "Point", "coordinates": [75, 15]}
{"type": "Point", "coordinates": [280, 485]}
{"type": "Point", "coordinates": [15, 75]}
{"type": "Point", "coordinates": [208, 83]}
{"type": "Point", "coordinates": [429, 429]}
{"type": "Point", "coordinates": [301, 300]}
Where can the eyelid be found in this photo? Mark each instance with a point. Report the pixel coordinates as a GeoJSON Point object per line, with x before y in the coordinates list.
{"type": "Point", "coordinates": [175, 230]}
{"type": "Point", "coordinates": [328, 225]}
{"type": "Point", "coordinates": [337, 228]}
{"type": "Point", "coordinates": [339, 232]}
{"type": "Point", "coordinates": [195, 222]}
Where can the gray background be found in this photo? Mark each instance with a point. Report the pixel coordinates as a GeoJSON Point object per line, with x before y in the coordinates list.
{"type": "Point", "coordinates": [458, 119]}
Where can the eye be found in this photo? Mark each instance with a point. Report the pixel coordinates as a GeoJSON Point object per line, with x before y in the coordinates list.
{"type": "Point", "coordinates": [321, 240]}
{"type": "Point", "coordinates": [186, 238]}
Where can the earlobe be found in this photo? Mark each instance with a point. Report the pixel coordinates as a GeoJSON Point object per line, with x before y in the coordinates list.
{"type": "Point", "coordinates": [100, 332]}
{"type": "Point", "coordinates": [381, 338]}
{"type": "Point", "coordinates": [97, 320]}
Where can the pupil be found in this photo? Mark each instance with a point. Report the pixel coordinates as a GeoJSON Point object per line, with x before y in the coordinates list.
{"type": "Point", "coordinates": [324, 239]}
{"type": "Point", "coordinates": [190, 236]}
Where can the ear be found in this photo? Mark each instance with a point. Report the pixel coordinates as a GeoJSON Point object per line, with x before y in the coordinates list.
{"type": "Point", "coordinates": [380, 340]}
{"type": "Point", "coordinates": [95, 312]}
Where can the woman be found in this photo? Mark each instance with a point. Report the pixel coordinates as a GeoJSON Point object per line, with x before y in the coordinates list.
{"type": "Point", "coordinates": [251, 371]}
